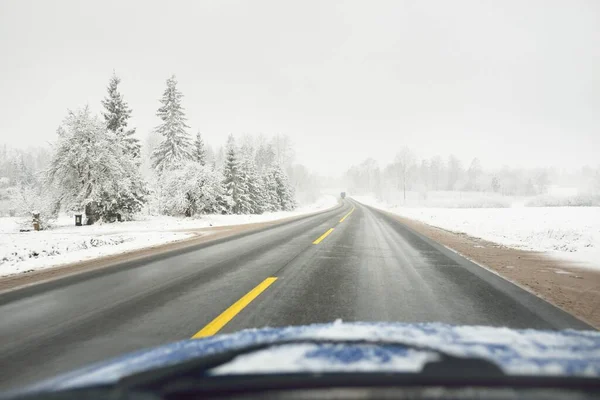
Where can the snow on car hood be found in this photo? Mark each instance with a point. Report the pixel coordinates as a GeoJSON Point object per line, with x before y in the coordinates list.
{"type": "Point", "coordinates": [569, 352]}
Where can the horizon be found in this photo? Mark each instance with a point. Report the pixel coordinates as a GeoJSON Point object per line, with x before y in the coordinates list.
{"type": "Point", "coordinates": [511, 83]}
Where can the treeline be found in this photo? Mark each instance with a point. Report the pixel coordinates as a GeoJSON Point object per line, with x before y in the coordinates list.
{"type": "Point", "coordinates": [95, 168]}
{"type": "Point", "coordinates": [409, 173]}
{"type": "Point", "coordinates": [247, 181]}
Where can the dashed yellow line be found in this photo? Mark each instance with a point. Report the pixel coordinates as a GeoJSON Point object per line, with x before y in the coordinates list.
{"type": "Point", "coordinates": [347, 215]}
{"type": "Point", "coordinates": [323, 236]}
{"type": "Point", "coordinates": [216, 324]}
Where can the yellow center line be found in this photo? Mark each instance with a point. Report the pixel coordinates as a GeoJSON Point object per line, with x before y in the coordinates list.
{"type": "Point", "coordinates": [216, 324]}
{"type": "Point", "coordinates": [323, 236]}
{"type": "Point", "coordinates": [347, 215]}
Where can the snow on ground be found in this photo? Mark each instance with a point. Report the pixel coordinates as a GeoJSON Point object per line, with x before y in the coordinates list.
{"type": "Point", "coordinates": [66, 243]}
{"type": "Point", "coordinates": [570, 233]}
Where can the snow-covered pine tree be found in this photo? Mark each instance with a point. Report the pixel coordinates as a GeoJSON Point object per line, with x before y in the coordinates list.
{"type": "Point", "coordinates": [176, 145]}
{"type": "Point", "coordinates": [213, 198]}
{"type": "Point", "coordinates": [199, 150]}
{"type": "Point", "coordinates": [272, 202]}
{"type": "Point", "coordinates": [210, 156]}
{"type": "Point", "coordinates": [88, 167]}
{"type": "Point", "coordinates": [254, 182]}
{"type": "Point", "coordinates": [234, 180]}
{"type": "Point", "coordinates": [116, 115]}
{"type": "Point", "coordinates": [246, 203]}
{"type": "Point", "coordinates": [134, 190]}
{"type": "Point", "coordinates": [285, 192]}
{"type": "Point", "coordinates": [265, 157]}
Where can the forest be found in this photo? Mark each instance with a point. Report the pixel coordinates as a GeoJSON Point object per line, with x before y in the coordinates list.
{"type": "Point", "coordinates": [99, 167]}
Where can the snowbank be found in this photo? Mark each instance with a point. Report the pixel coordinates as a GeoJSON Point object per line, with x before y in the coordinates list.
{"type": "Point", "coordinates": [66, 243]}
{"type": "Point", "coordinates": [24, 252]}
{"type": "Point", "coordinates": [571, 233]}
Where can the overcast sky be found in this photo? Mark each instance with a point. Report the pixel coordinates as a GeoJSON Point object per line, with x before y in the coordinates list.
{"type": "Point", "coordinates": [511, 82]}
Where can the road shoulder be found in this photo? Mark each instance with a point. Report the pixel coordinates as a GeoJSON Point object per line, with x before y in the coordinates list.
{"type": "Point", "coordinates": [575, 290]}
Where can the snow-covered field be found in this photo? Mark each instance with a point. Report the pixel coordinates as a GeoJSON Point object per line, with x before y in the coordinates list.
{"type": "Point", "coordinates": [570, 233]}
{"type": "Point", "coordinates": [66, 243]}
{"type": "Point", "coordinates": [555, 197]}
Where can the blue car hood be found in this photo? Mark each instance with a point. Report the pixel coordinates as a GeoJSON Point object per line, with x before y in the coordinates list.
{"type": "Point", "coordinates": [572, 353]}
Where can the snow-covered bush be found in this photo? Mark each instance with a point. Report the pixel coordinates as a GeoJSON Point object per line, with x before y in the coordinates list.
{"type": "Point", "coordinates": [192, 189]}
{"type": "Point", "coordinates": [36, 199]}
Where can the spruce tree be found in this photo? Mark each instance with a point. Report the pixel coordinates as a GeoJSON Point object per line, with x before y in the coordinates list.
{"type": "Point", "coordinates": [272, 199]}
{"type": "Point", "coordinates": [116, 115]}
{"type": "Point", "coordinates": [255, 185]}
{"type": "Point", "coordinates": [246, 203]}
{"type": "Point", "coordinates": [284, 191]}
{"type": "Point", "coordinates": [176, 145]}
{"type": "Point", "coordinates": [231, 174]}
{"type": "Point", "coordinates": [199, 150]}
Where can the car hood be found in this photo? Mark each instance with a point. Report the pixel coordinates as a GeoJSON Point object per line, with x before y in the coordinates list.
{"type": "Point", "coordinates": [523, 352]}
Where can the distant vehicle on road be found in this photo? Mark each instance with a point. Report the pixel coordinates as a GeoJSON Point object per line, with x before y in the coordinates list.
{"type": "Point", "coordinates": [343, 195]}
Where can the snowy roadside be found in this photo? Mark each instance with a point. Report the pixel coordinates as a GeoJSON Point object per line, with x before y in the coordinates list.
{"type": "Point", "coordinates": [65, 243]}
{"type": "Point", "coordinates": [568, 233]}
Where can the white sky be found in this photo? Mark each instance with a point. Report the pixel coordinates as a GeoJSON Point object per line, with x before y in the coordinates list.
{"type": "Point", "coordinates": [511, 82]}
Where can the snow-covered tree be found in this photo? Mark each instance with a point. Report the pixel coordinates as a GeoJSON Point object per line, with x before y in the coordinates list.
{"type": "Point", "coordinates": [272, 202]}
{"type": "Point", "coordinates": [193, 189]}
{"type": "Point", "coordinates": [474, 174]}
{"type": "Point", "coordinates": [265, 157]}
{"type": "Point", "coordinates": [283, 189]}
{"type": "Point", "coordinates": [455, 172]}
{"type": "Point", "coordinates": [425, 175]}
{"type": "Point", "coordinates": [210, 156]}
{"type": "Point", "coordinates": [404, 164]}
{"type": "Point", "coordinates": [88, 169]}
{"type": "Point", "coordinates": [437, 172]}
{"type": "Point", "coordinates": [253, 183]}
{"type": "Point", "coordinates": [283, 149]}
{"type": "Point", "coordinates": [176, 145]}
{"type": "Point", "coordinates": [234, 182]}
{"type": "Point", "coordinates": [116, 115]}
{"type": "Point", "coordinates": [37, 199]}
{"type": "Point", "coordinates": [542, 181]}
{"type": "Point", "coordinates": [495, 184]}
{"type": "Point", "coordinates": [199, 150]}
{"type": "Point", "coordinates": [307, 185]}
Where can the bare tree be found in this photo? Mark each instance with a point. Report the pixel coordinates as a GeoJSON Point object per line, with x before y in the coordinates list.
{"type": "Point", "coordinates": [455, 171]}
{"type": "Point", "coordinates": [404, 166]}
{"type": "Point", "coordinates": [474, 173]}
{"type": "Point", "coordinates": [542, 181]}
{"type": "Point", "coordinates": [284, 150]}
{"type": "Point", "coordinates": [425, 174]}
{"type": "Point", "coordinates": [437, 172]}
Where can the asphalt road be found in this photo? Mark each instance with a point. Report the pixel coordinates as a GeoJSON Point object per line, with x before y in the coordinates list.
{"type": "Point", "coordinates": [369, 267]}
